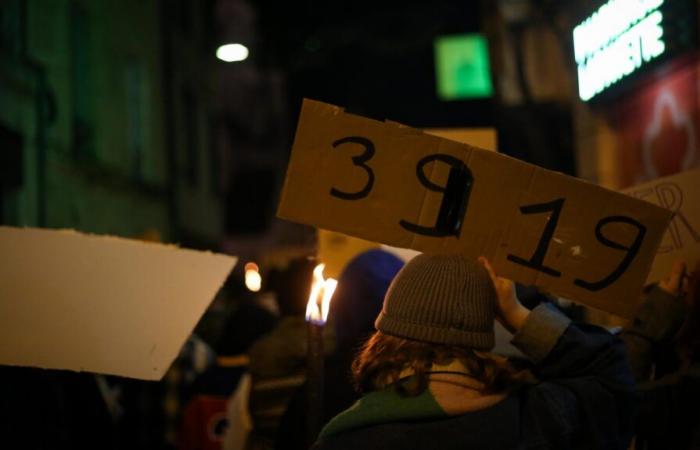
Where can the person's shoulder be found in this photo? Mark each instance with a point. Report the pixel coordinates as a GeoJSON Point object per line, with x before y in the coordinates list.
{"type": "Point", "coordinates": [495, 427]}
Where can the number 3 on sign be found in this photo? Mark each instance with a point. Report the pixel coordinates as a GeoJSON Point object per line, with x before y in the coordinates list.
{"type": "Point", "coordinates": [455, 192]}
{"type": "Point", "coordinates": [359, 161]}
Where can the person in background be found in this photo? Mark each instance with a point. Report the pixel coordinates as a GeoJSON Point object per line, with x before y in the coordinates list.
{"type": "Point", "coordinates": [355, 305]}
{"type": "Point", "coordinates": [428, 380]}
{"type": "Point", "coordinates": [204, 420]}
{"type": "Point", "coordinates": [278, 360]}
{"type": "Point", "coordinates": [663, 345]}
{"type": "Point", "coordinates": [195, 357]}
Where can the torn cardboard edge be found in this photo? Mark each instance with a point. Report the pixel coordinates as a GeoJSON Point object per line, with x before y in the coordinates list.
{"type": "Point", "coordinates": [102, 304]}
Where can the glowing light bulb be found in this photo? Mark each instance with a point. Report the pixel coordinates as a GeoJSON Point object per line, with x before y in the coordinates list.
{"type": "Point", "coordinates": [253, 280]}
{"type": "Point", "coordinates": [232, 52]}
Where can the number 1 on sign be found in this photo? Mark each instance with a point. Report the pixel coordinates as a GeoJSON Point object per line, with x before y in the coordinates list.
{"type": "Point", "coordinates": [536, 261]}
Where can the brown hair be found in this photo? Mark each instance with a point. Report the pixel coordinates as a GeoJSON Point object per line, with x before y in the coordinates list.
{"type": "Point", "coordinates": [382, 358]}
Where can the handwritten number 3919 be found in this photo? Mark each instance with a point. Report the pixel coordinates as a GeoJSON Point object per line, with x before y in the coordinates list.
{"type": "Point", "coordinates": [536, 261]}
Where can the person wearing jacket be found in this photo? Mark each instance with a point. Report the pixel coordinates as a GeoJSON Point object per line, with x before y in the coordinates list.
{"type": "Point", "coordinates": [663, 345]}
{"type": "Point", "coordinates": [356, 303]}
{"type": "Point", "coordinates": [428, 381]}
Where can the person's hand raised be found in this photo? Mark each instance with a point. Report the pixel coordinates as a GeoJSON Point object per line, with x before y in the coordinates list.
{"type": "Point", "coordinates": [676, 283]}
{"type": "Point", "coordinates": [509, 311]}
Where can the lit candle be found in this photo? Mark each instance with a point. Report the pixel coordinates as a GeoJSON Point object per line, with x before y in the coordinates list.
{"type": "Point", "coordinates": [253, 280]}
{"type": "Point", "coordinates": [316, 314]}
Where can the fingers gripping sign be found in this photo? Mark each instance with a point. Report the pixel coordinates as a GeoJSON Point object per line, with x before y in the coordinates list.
{"type": "Point", "coordinates": [509, 311]}
{"type": "Point", "coordinates": [676, 283]}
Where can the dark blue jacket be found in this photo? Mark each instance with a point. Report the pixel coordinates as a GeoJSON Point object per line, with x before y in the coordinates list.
{"type": "Point", "coordinates": [585, 400]}
{"type": "Point", "coordinates": [669, 416]}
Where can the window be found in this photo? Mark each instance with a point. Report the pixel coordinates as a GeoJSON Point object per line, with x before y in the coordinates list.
{"type": "Point", "coordinates": [81, 80]}
{"type": "Point", "coordinates": [191, 138]}
{"type": "Point", "coordinates": [136, 89]}
{"type": "Point", "coordinates": [462, 67]}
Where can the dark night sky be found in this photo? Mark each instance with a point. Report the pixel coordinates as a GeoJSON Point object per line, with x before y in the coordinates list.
{"type": "Point", "coordinates": [375, 58]}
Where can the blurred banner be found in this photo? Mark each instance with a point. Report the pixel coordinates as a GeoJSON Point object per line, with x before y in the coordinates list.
{"type": "Point", "coordinates": [657, 127]}
{"type": "Point", "coordinates": [335, 250]}
{"type": "Point", "coordinates": [680, 194]}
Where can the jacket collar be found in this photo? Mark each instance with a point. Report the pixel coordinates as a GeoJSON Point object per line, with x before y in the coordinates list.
{"type": "Point", "coordinates": [451, 392]}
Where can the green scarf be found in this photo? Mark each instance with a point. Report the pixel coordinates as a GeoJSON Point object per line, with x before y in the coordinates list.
{"type": "Point", "coordinates": [384, 406]}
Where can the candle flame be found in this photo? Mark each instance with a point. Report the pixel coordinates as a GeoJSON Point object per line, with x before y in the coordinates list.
{"type": "Point", "coordinates": [253, 280]}
{"type": "Point", "coordinates": [320, 298]}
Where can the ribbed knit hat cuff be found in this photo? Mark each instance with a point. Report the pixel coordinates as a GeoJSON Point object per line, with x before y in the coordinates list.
{"type": "Point", "coordinates": [479, 340]}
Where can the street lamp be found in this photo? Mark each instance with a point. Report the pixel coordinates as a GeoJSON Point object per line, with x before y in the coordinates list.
{"type": "Point", "coordinates": [232, 52]}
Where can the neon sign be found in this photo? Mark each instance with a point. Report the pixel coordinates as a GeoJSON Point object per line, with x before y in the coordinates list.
{"type": "Point", "coordinates": [618, 39]}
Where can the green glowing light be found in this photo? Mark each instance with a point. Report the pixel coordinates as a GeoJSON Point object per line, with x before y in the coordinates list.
{"type": "Point", "coordinates": [462, 67]}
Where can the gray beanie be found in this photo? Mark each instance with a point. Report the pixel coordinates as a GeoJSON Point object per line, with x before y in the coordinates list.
{"type": "Point", "coordinates": [443, 299]}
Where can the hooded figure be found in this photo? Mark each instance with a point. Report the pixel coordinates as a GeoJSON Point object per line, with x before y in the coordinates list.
{"type": "Point", "coordinates": [360, 294]}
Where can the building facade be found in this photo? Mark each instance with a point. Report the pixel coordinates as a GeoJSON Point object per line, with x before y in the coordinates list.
{"type": "Point", "coordinates": [103, 118]}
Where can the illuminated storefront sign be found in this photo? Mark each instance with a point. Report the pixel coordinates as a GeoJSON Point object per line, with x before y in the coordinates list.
{"type": "Point", "coordinates": [462, 67]}
{"type": "Point", "coordinates": [618, 39]}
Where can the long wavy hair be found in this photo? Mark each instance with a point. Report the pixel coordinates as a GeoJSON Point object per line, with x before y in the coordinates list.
{"type": "Point", "coordinates": [383, 358]}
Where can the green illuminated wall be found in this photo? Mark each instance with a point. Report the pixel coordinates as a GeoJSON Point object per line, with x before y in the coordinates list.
{"type": "Point", "coordinates": [116, 183]}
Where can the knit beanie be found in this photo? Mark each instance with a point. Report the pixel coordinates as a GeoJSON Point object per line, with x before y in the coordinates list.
{"type": "Point", "coordinates": [443, 299]}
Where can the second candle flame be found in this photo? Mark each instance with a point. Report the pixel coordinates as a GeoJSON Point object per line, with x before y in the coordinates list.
{"type": "Point", "coordinates": [320, 298]}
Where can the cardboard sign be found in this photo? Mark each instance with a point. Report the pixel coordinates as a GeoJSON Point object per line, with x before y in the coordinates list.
{"type": "Point", "coordinates": [399, 186]}
{"type": "Point", "coordinates": [680, 194]}
{"type": "Point", "coordinates": [484, 138]}
{"type": "Point", "coordinates": [100, 304]}
{"type": "Point", "coordinates": [336, 250]}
